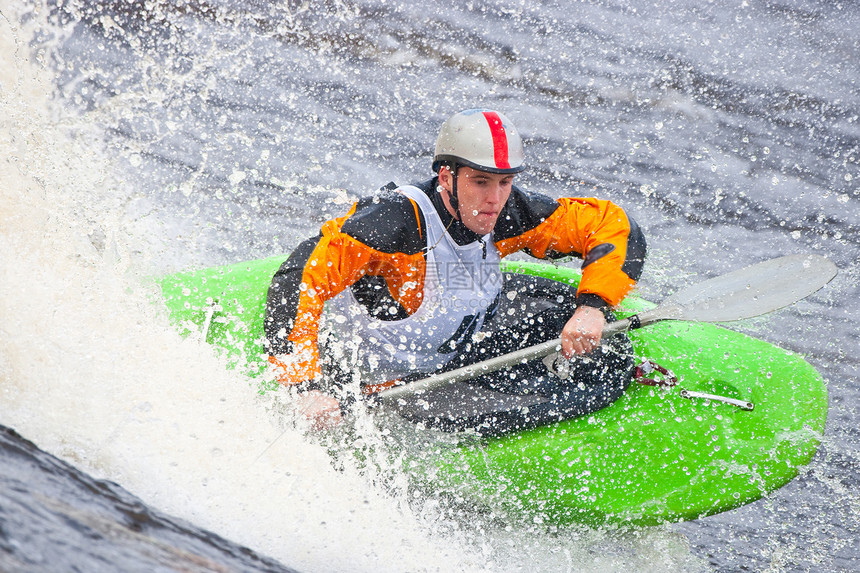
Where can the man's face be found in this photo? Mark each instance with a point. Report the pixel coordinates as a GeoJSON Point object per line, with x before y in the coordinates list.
{"type": "Point", "coordinates": [482, 196]}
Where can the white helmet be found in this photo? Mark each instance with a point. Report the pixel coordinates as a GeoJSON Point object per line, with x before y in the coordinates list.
{"type": "Point", "coordinates": [481, 139]}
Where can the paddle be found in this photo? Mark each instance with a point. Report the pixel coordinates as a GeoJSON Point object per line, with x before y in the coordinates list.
{"type": "Point", "coordinates": [745, 293]}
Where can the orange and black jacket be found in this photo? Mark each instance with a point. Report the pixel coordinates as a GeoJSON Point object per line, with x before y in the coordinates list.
{"type": "Point", "coordinates": [378, 250]}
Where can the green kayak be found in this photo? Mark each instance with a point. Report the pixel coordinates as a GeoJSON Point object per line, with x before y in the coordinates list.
{"type": "Point", "coordinates": [655, 455]}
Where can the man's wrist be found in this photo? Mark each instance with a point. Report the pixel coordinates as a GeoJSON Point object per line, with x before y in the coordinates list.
{"type": "Point", "coordinates": [592, 300]}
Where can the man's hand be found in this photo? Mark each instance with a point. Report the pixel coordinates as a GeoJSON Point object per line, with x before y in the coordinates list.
{"type": "Point", "coordinates": [320, 409]}
{"type": "Point", "coordinates": [582, 332]}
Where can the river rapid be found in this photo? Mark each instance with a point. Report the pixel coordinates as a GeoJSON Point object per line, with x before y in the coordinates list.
{"type": "Point", "coordinates": [143, 137]}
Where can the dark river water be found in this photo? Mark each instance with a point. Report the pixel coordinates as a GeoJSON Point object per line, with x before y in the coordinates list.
{"type": "Point", "coordinates": [142, 137]}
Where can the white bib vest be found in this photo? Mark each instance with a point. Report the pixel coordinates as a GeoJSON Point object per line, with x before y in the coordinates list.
{"type": "Point", "coordinates": [460, 284]}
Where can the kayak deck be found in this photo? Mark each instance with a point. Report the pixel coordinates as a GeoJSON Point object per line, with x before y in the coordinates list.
{"type": "Point", "coordinates": [650, 457]}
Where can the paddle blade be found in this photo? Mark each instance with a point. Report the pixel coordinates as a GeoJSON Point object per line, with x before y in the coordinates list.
{"type": "Point", "coordinates": [754, 290]}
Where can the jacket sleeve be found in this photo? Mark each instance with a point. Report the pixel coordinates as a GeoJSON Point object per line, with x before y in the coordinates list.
{"type": "Point", "coordinates": [321, 268]}
{"type": "Point", "coordinates": [610, 243]}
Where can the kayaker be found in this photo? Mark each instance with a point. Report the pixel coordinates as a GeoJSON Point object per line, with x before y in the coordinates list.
{"type": "Point", "coordinates": [412, 278]}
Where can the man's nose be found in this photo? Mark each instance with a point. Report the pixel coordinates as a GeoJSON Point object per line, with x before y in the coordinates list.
{"type": "Point", "coordinates": [495, 194]}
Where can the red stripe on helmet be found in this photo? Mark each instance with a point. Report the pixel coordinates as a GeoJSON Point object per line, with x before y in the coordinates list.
{"type": "Point", "coordinates": [500, 140]}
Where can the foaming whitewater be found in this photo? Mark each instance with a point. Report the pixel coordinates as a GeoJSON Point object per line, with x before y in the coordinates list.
{"type": "Point", "coordinates": [93, 374]}
{"type": "Point", "coordinates": [91, 371]}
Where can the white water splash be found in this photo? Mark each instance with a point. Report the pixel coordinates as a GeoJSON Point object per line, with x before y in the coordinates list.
{"type": "Point", "coordinates": [91, 373]}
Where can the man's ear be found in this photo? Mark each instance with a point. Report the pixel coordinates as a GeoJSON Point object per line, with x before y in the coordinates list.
{"type": "Point", "coordinates": [445, 177]}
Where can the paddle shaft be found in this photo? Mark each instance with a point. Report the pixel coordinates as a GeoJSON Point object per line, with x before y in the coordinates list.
{"type": "Point", "coordinates": [751, 291]}
{"type": "Point", "coordinates": [504, 361]}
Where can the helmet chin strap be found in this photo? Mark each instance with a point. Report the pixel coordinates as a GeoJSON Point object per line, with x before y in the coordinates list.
{"type": "Point", "coordinates": [452, 195]}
